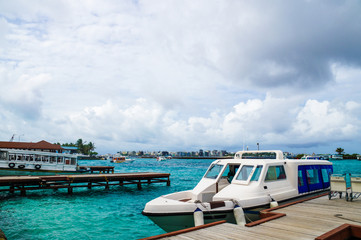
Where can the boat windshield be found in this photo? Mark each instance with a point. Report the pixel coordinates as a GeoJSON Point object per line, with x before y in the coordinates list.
{"type": "Point", "coordinates": [245, 172]}
{"type": "Point", "coordinates": [213, 171]}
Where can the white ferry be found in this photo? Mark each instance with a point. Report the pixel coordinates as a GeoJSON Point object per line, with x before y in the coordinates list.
{"type": "Point", "coordinates": [336, 157]}
{"type": "Point", "coordinates": [13, 159]}
{"type": "Point", "coordinates": [314, 157]}
{"type": "Point", "coordinates": [251, 180]}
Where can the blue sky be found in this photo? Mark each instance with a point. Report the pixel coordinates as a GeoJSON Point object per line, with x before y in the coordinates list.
{"type": "Point", "coordinates": [182, 75]}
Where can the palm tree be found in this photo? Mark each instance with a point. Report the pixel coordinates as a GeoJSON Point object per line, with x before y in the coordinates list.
{"type": "Point", "coordinates": [339, 150]}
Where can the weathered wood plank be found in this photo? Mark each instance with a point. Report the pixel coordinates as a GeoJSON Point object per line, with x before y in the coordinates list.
{"type": "Point", "coordinates": [305, 220]}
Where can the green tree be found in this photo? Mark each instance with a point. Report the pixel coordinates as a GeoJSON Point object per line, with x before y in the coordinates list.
{"type": "Point", "coordinates": [83, 147]}
{"type": "Point", "coordinates": [339, 150]}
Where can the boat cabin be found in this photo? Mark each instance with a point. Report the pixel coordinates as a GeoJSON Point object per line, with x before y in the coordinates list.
{"type": "Point", "coordinates": [266, 173]}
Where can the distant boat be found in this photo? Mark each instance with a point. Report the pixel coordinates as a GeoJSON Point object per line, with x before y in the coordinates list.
{"type": "Point", "coordinates": [121, 159]}
{"type": "Point", "coordinates": [314, 157]}
{"type": "Point", "coordinates": [336, 157]}
{"type": "Point", "coordinates": [27, 160]}
{"type": "Point", "coordinates": [161, 158]}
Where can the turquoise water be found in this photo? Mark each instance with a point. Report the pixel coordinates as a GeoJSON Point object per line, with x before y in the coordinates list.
{"type": "Point", "coordinates": [105, 214]}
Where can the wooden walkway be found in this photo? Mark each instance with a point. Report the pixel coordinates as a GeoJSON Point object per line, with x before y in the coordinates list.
{"type": "Point", "coordinates": [306, 220]}
{"type": "Point", "coordinates": [27, 183]}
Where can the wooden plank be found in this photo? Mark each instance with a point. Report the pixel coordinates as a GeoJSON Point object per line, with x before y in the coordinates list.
{"type": "Point", "coordinates": [306, 220]}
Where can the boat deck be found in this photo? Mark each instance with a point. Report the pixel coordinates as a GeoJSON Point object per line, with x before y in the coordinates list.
{"type": "Point", "coordinates": [26, 183]}
{"type": "Point", "coordinates": [309, 219]}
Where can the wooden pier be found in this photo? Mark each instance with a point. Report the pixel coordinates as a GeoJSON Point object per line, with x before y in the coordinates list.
{"type": "Point", "coordinates": [28, 183]}
{"type": "Point", "coordinates": [317, 218]}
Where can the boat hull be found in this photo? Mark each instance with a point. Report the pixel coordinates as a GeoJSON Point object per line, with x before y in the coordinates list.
{"type": "Point", "coordinates": [175, 222]}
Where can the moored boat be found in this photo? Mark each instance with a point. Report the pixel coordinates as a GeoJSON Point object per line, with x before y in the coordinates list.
{"type": "Point", "coordinates": [27, 160]}
{"type": "Point", "coordinates": [251, 180]}
{"type": "Point", "coordinates": [336, 157]}
{"type": "Point", "coordinates": [314, 157]}
{"type": "Point", "coordinates": [161, 158]}
{"type": "Point", "coordinates": [121, 159]}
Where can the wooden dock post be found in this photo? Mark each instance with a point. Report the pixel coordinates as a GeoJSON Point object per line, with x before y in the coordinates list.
{"type": "Point", "coordinates": [121, 183]}
{"type": "Point", "coordinates": [139, 185]}
{"type": "Point", "coordinates": [70, 190]}
{"type": "Point", "coordinates": [168, 182]}
{"type": "Point", "coordinates": [11, 190]}
{"type": "Point", "coordinates": [23, 191]}
{"type": "Point", "coordinates": [90, 185]}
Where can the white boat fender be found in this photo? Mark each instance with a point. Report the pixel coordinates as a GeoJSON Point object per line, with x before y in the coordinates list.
{"type": "Point", "coordinates": [198, 217]}
{"type": "Point", "coordinates": [239, 215]}
{"type": "Point", "coordinates": [273, 203]}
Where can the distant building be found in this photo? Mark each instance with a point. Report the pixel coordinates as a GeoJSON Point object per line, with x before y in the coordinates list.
{"type": "Point", "coordinates": [39, 146]}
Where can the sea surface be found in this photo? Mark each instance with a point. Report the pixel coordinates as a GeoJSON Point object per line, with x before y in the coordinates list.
{"type": "Point", "coordinates": [105, 214]}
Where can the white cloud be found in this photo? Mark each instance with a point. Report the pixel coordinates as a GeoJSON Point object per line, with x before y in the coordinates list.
{"type": "Point", "coordinates": [157, 74]}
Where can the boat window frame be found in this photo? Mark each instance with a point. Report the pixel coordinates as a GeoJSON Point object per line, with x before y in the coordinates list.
{"type": "Point", "coordinates": [219, 173]}
{"type": "Point", "coordinates": [245, 182]}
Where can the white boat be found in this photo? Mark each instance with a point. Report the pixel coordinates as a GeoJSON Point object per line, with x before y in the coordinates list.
{"type": "Point", "coordinates": [27, 160]}
{"type": "Point", "coordinates": [250, 180]}
{"type": "Point", "coordinates": [336, 157]}
{"type": "Point", "coordinates": [161, 158]}
{"type": "Point", "coordinates": [121, 159]}
{"type": "Point", "coordinates": [314, 157]}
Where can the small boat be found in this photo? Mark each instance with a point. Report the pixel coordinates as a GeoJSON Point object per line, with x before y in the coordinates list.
{"type": "Point", "coordinates": [314, 157]}
{"type": "Point", "coordinates": [121, 159]}
{"type": "Point", "coordinates": [252, 180]}
{"type": "Point", "coordinates": [27, 160]}
{"type": "Point", "coordinates": [161, 158]}
{"type": "Point", "coordinates": [336, 157]}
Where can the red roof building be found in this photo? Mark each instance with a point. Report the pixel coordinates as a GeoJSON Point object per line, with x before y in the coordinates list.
{"type": "Point", "coordinates": [39, 146]}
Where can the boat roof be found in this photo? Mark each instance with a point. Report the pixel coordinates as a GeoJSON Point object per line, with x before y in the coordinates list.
{"type": "Point", "coordinates": [267, 156]}
{"type": "Point", "coordinates": [30, 152]}
{"type": "Point", "coordinates": [260, 154]}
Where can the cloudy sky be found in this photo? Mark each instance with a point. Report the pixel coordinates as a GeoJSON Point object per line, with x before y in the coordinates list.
{"type": "Point", "coordinates": [182, 75]}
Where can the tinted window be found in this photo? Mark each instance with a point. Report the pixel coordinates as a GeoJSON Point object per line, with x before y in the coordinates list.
{"type": "Point", "coordinates": [256, 173]}
{"type": "Point", "coordinates": [300, 178]}
{"type": "Point", "coordinates": [275, 173]}
{"type": "Point", "coordinates": [325, 175]}
{"type": "Point", "coordinates": [312, 176]}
